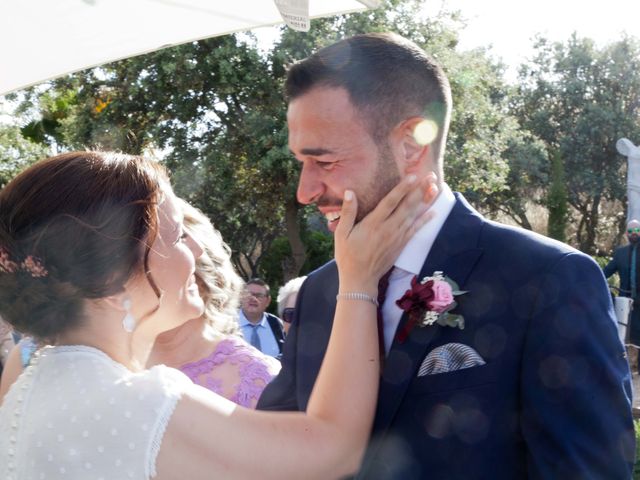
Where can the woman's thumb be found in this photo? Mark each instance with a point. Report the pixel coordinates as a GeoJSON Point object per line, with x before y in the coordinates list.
{"type": "Point", "coordinates": [348, 213]}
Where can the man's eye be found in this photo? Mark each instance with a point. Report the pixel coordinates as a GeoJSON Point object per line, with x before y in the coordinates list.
{"type": "Point", "coordinates": [325, 165]}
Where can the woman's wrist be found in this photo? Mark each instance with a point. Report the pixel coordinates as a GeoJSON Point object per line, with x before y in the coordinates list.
{"type": "Point", "coordinates": [358, 297]}
{"type": "Point", "coordinates": [368, 287]}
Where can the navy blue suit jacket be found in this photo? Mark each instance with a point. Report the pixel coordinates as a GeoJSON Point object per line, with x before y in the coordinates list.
{"type": "Point", "coordinates": [621, 263]}
{"type": "Point", "coordinates": [553, 400]}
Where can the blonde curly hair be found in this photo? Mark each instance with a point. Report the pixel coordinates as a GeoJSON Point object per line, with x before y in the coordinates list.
{"type": "Point", "coordinates": [220, 285]}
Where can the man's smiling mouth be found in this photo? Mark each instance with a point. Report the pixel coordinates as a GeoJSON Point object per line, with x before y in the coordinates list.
{"type": "Point", "coordinates": [332, 216]}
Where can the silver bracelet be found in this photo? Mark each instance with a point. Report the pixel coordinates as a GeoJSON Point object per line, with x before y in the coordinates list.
{"type": "Point", "coordinates": [357, 296]}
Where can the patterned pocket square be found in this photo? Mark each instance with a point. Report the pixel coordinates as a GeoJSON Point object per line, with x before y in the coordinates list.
{"type": "Point", "coordinates": [449, 358]}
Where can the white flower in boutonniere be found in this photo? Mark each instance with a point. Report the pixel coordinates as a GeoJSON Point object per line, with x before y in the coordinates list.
{"type": "Point", "coordinates": [430, 301]}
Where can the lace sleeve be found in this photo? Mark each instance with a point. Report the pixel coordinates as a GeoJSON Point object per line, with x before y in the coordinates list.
{"type": "Point", "coordinates": [235, 370]}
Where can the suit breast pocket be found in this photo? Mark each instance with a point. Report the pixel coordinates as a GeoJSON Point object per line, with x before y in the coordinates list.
{"type": "Point", "coordinates": [457, 409]}
{"type": "Point", "coordinates": [465, 378]}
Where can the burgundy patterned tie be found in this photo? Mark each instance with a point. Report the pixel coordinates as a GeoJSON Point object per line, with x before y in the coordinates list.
{"type": "Point", "coordinates": [383, 284]}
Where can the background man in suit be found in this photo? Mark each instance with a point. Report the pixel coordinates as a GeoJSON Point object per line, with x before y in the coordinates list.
{"type": "Point", "coordinates": [260, 328]}
{"type": "Point", "coordinates": [536, 385]}
{"type": "Point", "coordinates": [625, 262]}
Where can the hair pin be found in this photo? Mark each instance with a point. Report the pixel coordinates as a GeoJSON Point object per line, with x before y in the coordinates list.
{"type": "Point", "coordinates": [31, 265]}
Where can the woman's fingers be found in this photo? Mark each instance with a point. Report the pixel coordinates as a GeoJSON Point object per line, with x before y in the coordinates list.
{"type": "Point", "coordinates": [430, 188]}
{"type": "Point", "coordinates": [370, 246]}
{"type": "Point", "coordinates": [401, 207]}
{"type": "Point", "coordinates": [410, 213]}
{"type": "Point", "coordinates": [408, 198]}
{"type": "Point", "coordinates": [390, 202]}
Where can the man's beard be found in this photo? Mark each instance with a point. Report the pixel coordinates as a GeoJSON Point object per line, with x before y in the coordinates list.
{"type": "Point", "coordinates": [384, 179]}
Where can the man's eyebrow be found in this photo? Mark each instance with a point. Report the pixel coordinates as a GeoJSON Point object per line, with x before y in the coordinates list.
{"type": "Point", "coordinates": [315, 152]}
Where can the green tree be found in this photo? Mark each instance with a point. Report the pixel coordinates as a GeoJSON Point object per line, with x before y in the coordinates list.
{"type": "Point", "coordinates": [557, 200]}
{"type": "Point", "coordinates": [16, 153]}
{"type": "Point", "coordinates": [490, 158]}
{"type": "Point", "coordinates": [319, 247]}
{"type": "Point", "coordinates": [579, 100]}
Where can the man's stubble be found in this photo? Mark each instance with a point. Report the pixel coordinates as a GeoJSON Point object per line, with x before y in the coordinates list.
{"type": "Point", "coordinates": [382, 182]}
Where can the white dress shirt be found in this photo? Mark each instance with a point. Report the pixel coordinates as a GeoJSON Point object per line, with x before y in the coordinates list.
{"type": "Point", "coordinates": [410, 262]}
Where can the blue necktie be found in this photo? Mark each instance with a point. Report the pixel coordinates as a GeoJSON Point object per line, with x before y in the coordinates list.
{"type": "Point", "coordinates": [255, 339]}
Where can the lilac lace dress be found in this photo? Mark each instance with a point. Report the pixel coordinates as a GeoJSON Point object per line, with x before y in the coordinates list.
{"type": "Point", "coordinates": [235, 370]}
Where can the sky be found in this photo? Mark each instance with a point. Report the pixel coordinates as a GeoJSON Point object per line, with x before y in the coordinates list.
{"type": "Point", "coordinates": [510, 25]}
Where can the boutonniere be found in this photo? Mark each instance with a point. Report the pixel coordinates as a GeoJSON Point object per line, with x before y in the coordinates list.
{"type": "Point", "coordinates": [430, 301]}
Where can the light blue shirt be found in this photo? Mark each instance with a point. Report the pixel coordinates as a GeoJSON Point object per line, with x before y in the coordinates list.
{"type": "Point", "coordinates": [268, 343]}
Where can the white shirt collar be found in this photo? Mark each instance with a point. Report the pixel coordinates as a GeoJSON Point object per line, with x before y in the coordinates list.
{"type": "Point", "coordinates": [242, 320]}
{"type": "Point", "coordinates": [415, 252]}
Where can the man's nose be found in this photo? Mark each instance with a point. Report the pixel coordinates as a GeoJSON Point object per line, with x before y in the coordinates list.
{"type": "Point", "coordinates": [310, 187]}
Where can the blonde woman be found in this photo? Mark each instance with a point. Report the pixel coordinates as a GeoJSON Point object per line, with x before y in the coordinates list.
{"type": "Point", "coordinates": [209, 349]}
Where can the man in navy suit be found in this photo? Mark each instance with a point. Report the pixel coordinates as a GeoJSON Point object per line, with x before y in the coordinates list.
{"type": "Point", "coordinates": [536, 385]}
{"type": "Point", "coordinates": [626, 263]}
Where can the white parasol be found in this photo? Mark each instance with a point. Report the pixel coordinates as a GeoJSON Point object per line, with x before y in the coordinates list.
{"type": "Point", "coordinates": [45, 39]}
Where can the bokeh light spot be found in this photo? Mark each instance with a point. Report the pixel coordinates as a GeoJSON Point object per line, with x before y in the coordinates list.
{"type": "Point", "coordinates": [425, 132]}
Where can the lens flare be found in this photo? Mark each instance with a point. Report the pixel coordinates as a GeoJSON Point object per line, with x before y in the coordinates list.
{"type": "Point", "coordinates": [425, 132]}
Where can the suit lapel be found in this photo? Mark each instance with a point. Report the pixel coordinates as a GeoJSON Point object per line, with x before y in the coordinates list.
{"type": "Point", "coordinates": [454, 253]}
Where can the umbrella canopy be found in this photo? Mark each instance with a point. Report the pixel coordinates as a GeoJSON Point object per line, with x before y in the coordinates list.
{"type": "Point", "coordinates": [44, 39]}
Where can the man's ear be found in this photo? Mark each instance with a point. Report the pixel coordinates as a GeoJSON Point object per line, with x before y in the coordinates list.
{"type": "Point", "coordinates": [411, 150]}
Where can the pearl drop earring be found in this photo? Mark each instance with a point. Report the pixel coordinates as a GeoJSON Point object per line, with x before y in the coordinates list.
{"type": "Point", "coordinates": [128, 322]}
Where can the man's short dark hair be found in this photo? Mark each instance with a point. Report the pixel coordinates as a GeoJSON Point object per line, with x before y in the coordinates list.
{"type": "Point", "coordinates": [260, 282]}
{"type": "Point", "coordinates": [388, 78]}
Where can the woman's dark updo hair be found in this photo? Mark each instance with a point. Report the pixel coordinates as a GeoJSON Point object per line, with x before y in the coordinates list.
{"type": "Point", "coordinates": [89, 218]}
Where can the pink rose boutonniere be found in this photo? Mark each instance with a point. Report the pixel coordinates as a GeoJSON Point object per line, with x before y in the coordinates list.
{"type": "Point", "coordinates": [430, 301]}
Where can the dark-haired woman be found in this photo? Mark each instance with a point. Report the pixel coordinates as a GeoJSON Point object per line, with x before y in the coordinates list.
{"type": "Point", "coordinates": [94, 260]}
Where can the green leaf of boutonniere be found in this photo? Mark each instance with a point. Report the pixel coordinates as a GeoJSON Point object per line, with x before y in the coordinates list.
{"type": "Point", "coordinates": [451, 320]}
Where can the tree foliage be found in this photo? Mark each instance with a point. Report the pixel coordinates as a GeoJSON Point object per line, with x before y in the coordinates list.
{"type": "Point", "coordinates": [16, 153]}
{"type": "Point", "coordinates": [557, 200]}
{"type": "Point", "coordinates": [580, 99]}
